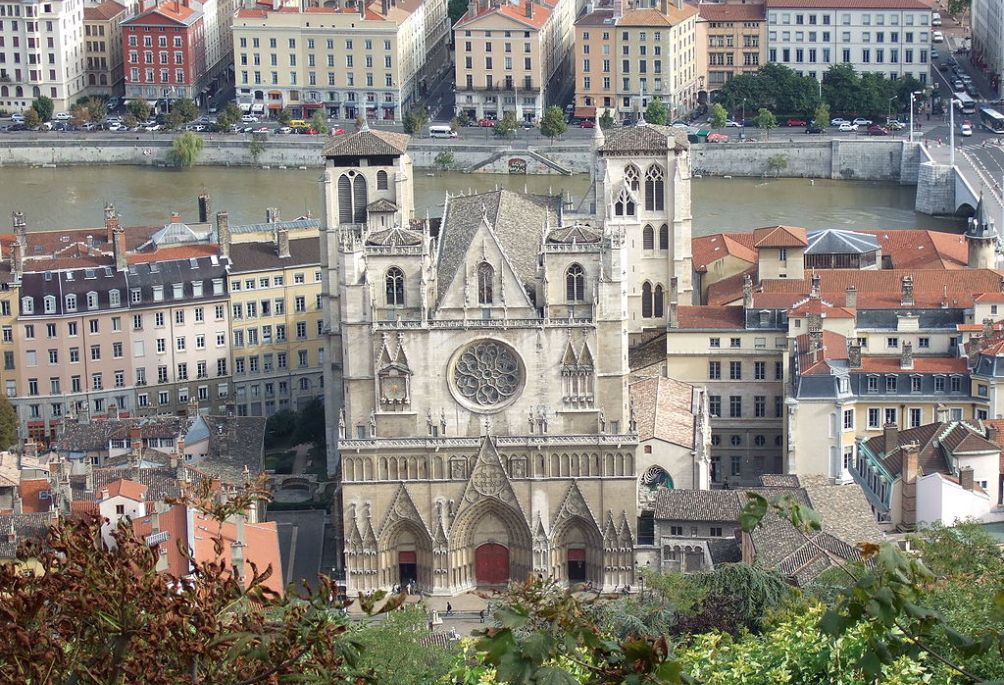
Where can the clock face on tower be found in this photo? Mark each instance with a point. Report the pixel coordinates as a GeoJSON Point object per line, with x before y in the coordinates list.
{"type": "Point", "coordinates": [486, 375]}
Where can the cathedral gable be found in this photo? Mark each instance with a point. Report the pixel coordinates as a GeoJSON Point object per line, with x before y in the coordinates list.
{"type": "Point", "coordinates": [489, 480]}
{"type": "Point", "coordinates": [402, 508]}
{"type": "Point", "coordinates": [573, 505]}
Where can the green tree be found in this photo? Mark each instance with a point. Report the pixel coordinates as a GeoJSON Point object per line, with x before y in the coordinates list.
{"type": "Point", "coordinates": [310, 424]}
{"type": "Point", "coordinates": [360, 122]}
{"type": "Point", "coordinates": [174, 120]}
{"type": "Point", "coordinates": [31, 118]}
{"type": "Point", "coordinates": [959, 7]}
{"type": "Point", "coordinates": [256, 146]}
{"type": "Point", "coordinates": [719, 117]}
{"type": "Point", "coordinates": [776, 164]}
{"type": "Point", "coordinates": [606, 119]}
{"type": "Point", "coordinates": [186, 109]}
{"type": "Point", "coordinates": [284, 116]}
{"type": "Point", "coordinates": [444, 160]}
{"type": "Point", "coordinates": [89, 109]}
{"type": "Point", "coordinates": [415, 120]}
{"type": "Point", "coordinates": [553, 123]}
{"type": "Point", "coordinates": [656, 112]}
{"type": "Point", "coordinates": [394, 650]}
{"type": "Point", "coordinates": [458, 122]}
{"type": "Point", "coordinates": [139, 109]}
{"type": "Point", "coordinates": [506, 125]}
{"type": "Point", "coordinates": [228, 117]}
{"type": "Point", "coordinates": [822, 115]}
{"type": "Point", "coordinates": [841, 89]}
{"type": "Point", "coordinates": [457, 9]}
{"type": "Point", "coordinates": [279, 428]}
{"type": "Point", "coordinates": [765, 121]}
{"type": "Point", "coordinates": [8, 424]}
{"type": "Point", "coordinates": [185, 149]}
{"type": "Point", "coordinates": [775, 87]}
{"type": "Point", "coordinates": [319, 122]}
{"type": "Point", "coordinates": [44, 106]}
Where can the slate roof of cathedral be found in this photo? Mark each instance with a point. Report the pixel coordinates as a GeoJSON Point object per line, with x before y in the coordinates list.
{"type": "Point", "coordinates": [368, 142]}
{"type": "Point", "coordinates": [644, 138]}
{"type": "Point", "coordinates": [518, 221]}
{"type": "Point", "coordinates": [394, 237]}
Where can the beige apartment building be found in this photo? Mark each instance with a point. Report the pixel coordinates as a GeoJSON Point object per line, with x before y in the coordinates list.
{"type": "Point", "coordinates": [103, 47]}
{"type": "Point", "coordinates": [277, 322]}
{"type": "Point", "coordinates": [511, 57]}
{"type": "Point", "coordinates": [345, 61]}
{"type": "Point", "coordinates": [732, 40]}
{"type": "Point", "coordinates": [625, 56]}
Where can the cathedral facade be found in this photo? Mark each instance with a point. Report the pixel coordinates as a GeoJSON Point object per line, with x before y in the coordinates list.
{"type": "Point", "coordinates": [479, 379]}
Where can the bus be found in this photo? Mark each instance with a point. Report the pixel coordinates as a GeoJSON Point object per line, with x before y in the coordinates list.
{"type": "Point", "coordinates": [965, 103]}
{"type": "Point", "coordinates": [992, 120]}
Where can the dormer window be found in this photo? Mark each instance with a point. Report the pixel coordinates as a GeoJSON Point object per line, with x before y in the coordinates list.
{"type": "Point", "coordinates": [92, 300]}
{"type": "Point", "coordinates": [49, 302]}
{"type": "Point", "coordinates": [71, 303]}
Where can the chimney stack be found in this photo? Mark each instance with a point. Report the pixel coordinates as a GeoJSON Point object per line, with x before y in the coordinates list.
{"type": "Point", "coordinates": [966, 479]}
{"type": "Point", "coordinates": [136, 439]}
{"type": "Point", "coordinates": [205, 208]}
{"type": "Point", "coordinates": [747, 292]}
{"type": "Point", "coordinates": [282, 243]}
{"type": "Point", "coordinates": [851, 300]}
{"type": "Point", "coordinates": [908, 476]}
{"type": "Point", "coordinates": [664, 7]}
{"type": "Point", "coordinates": [111, 222]}
{"type": "Point", "coordinates": [223, 233]}
{"type": "Point", "coordinates": [854, 355]}
{"type": "Point", "coordinates": [271, 215]}
{"type": "Point", "coordinates": [906, 357]}
{"type": "Point", "coordinates": [992, 434]}
{"type": "Point", "coordinates": [814, 287]}
{"type": "Point", "coordinates": [119, 249]}
{"type": "Point", "coordinates": [529, 8]}
{"type": "Point", "coordinates": [906, 297]}
{"type": "Point", "coordinates": [175, 218]}
{"type": "Point", "coordinates": [237, 548]}
{"type": "Point", "coordinates": [891, 433]}
{"type": "Point", "coordinates": [988, 330]}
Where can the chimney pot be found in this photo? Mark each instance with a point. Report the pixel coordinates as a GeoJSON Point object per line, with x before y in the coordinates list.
{"type": "Point", "coordinates": [891, 433]}
{"type": "Point", "coordinates": [966, 478]}
{"type": "Point", "coordinates": [852, 297]}
{"type": "Point", "coordinates": [223, 233]}
{"type": "Point", "coordinates": [906, 297]}
{"type": "Point", "coordinates": [854, 355]}
{"type": "Point", "coordinates": [175, 218]}
{"type": "Point", "coordinates": [205, 207]}
{"type": "Point", "coordinates": [906, 357]}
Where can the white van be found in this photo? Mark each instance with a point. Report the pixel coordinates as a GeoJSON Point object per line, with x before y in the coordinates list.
{"type": "Point", "coordinates": [935, 19]}
{"type": "Point", "coordinates": [938, 37]}
{"type": "Point", "coordinates": [442, 132]}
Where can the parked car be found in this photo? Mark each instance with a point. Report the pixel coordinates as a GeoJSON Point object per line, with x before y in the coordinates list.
{"type": "Point", "coordinates": [935, 19]}
{"type": "Point", "coordinates": [966, 129]}
{"type": "Point", "coordinates": [732, 124]}
{"type": "Point", "coordinates": [934, 53]}
{"type": "Point", "coordinates": [17, 118]}
{"type": "Point", "coordinates": [152, 126]}
{"type": "Point", "coordinates": [938, 37]}
{"type": "Point", "coordinates": [262, 129]}
{"type": "Point", "coordinates": [337, 132]}
{"type": "Point", "coordinates": [861, 121]}
{"type": "Point", "coordinates": [876, 130]}
{"type": "Point", "coordinates": [284, 130]}
{"type": "Point", "coordinates": [847, 127]}
{"type": "Point", "coordinates": [249, 119]}
{"type": "Point", "coordinates": [796, 122]}
{"type": "Point", "coordinates": [895, 125]}
{"type": "Point", "coordinates": [749, 123]}
{"type": "Point", "coordinates": [838, 121]}
{"type": "Point", "coordinates": [943, 66]}
{"type": "Point", "coordinates": [63, 116]}
{"type": "Point", "coordinates": [717, 138]}
{"type": "Point", "coordinates": [487, 123]}
{"type": "Point", "coordinates": [587, 123]}
{"type": "Point", "coordinates": [629, 121]}
{"type": "Point", "coordinates": [528, 125]}
{"type": "Point", "coordinates": [813, 128]}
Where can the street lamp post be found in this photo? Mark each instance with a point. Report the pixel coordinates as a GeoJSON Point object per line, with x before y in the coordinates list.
{"type": "Point", "coordinates": [913, 96]}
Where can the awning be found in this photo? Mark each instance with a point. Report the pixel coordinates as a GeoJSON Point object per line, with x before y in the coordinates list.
{"type": "Point", "coordinates": [388, 105]}
{"type": "Point", "coordinates": [585, 112]}
{"type": "Point", "coordinates": [245, 106]}
{"type": "Point", "coordinates": [311, 105]}
{"type": "Point", "coordinates": [257, 107]}
{"type": "Point", "coordinates": [275, 105]}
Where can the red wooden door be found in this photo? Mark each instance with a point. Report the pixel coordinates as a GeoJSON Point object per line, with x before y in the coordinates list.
{"type": "Point", "coordinates": [491, 564]}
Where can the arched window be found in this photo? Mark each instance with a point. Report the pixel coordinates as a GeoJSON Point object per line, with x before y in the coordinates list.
{"type": "Point", "coordinates": [664, 237]}
{"type": "Point", "coordinates": [624, 205]}
{"type": "Point", "coordinates": [575, 284]}
{"type": "Point", "coordinates": [27, 305]}
{"type": "Point", "coordinates": [648, 238]}
{"type": "Point", "coordinates": [92, 300]}
{"type": "Point", "coordinates": [655, 196]}
{"type": "Point", "coordinates": [352, 198]}
{"type": "Point", "coordinates": [36, 92]}
{"type": "Point", "coordinates": [631, 175]}
{"type": "Point", "coordinates": [381, 180]}
{"type": "Point", "coordinates": [359, 200]}
{"type": "Point", "coordinates": [658, 301]}
{"type": "Point", "coordinates": [49, 302]}
{"type": "Point", "coordinates": [71, 303]}
{"type": "Point", "coordinates": [395, 287]}
{"type": "Point", "coordinates": [4, 91]}
{"type": "Point", "coordinates": [486, 282]}
{"type": "Point", "coordinates": [646, 300]}
{"type": "Point", "coordinates": [18, 91]}
{"type": "Point", "coordinates": [344, 199]}
{"type": "Point", "coordinates": [114, 297]}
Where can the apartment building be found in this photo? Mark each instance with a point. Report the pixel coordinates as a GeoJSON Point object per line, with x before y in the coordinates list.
{"type": "Point", "coordinates": [103, 33]}
{"type": "Point", "coordinates": [987, 22]}
{"type": "Point", "coordinates": [512, 57]}
{"type": "Point", "coordinates": [626, 55]}
{"type": "Point", "coordinates": [42, 52]}
{"type": "Point", "coordinates": [365, 60]}
{"type": "Point", "coordinates": [164, 52]}
{"type": "Point", "coordinates": [277, 322]}
{"type": "Point", "coordinates": [888, 37]}
{"type": "Point", "coordinates": [732, 40]}
{"type": "Point", "coordinates": [10, 285]}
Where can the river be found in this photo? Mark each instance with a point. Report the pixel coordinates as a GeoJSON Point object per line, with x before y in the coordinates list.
{"type": "Point", "coordinates": [73, 197]}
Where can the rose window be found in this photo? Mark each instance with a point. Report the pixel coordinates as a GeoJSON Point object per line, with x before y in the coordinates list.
{"type": "Point", "coordinates": [487, 374]}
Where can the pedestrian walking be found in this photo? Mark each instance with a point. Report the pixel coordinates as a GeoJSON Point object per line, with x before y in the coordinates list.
{"type": "Point", "coordinates": [481, 615]}
{"type": "Point", "coordinates": [449, 609]}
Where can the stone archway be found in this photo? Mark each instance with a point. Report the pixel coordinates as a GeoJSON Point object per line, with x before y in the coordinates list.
{"type": "Point", "coordinates": [406, 556]}
{"type": "Point", "coordinates": [577, 552]}
{"type": "Point", "coordinates": [490, 544]}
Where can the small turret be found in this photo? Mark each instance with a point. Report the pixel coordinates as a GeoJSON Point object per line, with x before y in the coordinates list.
{"type": "Point", "coordinates": [981, 237]}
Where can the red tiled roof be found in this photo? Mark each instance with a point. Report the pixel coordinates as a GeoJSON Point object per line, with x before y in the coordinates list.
{"type": "Point", "coordinates": [989, 298]}
{"type": "Point", "coordinates": [850, 4]}
{"type": "Point", "coordinates": [711, 317]}
{"type": "Point", "coordinates": [923, 249]}
{"type": "Point", "coordinates": [103, 12]}
{"type": "Point", "coordinates": [515, 12]}
{"type": "Point", "coordinates": [834, 347]}
{"type": "Point", "coordinates": [708, 248]}
{"type": "Point", "coordinates": [129, 489]}
{"type": "Point", "coordinates": [84, 506]}
{"type": "Point", "coordinates": [30, 491]}
{"type": "Point", "coordinates": [171, 253]}
{"type": "Point", "coordinates": [779, 236]}
{"type": "Point", "coordinates": [730, 12]}
{"type": "Point", "coordinates": [819, 306]}
{"type": "Point", "coordinates": [891, 364]}
{"type": "Point", "coordinates": [653, 17]}
{"type": "Point", "coordinates": [730, 289]}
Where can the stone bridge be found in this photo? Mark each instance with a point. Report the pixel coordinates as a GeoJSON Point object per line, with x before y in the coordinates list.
{"type": "Point", "coordinates": [943, 190]}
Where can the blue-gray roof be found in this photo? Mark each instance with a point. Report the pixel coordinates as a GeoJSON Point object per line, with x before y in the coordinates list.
{"type": "Point", "coordinates": [839, 241]}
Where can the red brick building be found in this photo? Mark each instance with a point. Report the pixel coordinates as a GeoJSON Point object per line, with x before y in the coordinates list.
{"type": "Point", "coordinates": [164, 54]}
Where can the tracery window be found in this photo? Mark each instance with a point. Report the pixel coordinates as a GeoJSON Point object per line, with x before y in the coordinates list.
{"type": "Point", "coordinates": [575, 284]}
{"type": "Point", "coordinates": [648, 238]}
{"type": "Point", "coordinates": [655, 196]}
{"type": "Point", "coordinates": [394, 282]}
{"type": "Point", "coordinates": [486, 282]}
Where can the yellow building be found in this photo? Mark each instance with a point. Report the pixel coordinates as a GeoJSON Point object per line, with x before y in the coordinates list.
{"type": "Point", "coordinates": [103, 47]}
{"type": "Point", "coordinates": [511, 57]}
{"type": "Point", "coordinates": [626, 56]}
{"type": "Point", "coordinates": [276, 318]}
{"type": "Point", "coordinates": [732, 41]}
{"type": "Point", "coordinates": [346, 61]}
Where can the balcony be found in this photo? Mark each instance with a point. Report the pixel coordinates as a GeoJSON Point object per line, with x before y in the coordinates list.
{"type": "Point", "coordinates": [500, 87]}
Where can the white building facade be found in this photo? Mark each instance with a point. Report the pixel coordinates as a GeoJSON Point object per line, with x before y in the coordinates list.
{"type": "Point", "coordinates": [888, 37]}
{"type": "Point", "coordinates": [987, 18]}
{"type": "Point", "coordinates": [41, 53]}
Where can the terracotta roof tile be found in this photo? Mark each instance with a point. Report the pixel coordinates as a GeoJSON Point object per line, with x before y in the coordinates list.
{"type": "Point", "coordinates": [129, 489]}
{"type": "Point", "coordinates": [663, 407]}
{"type": "Point", "coordinates": [516, 12]}
{"type": "Point", "coordinates": [709, 248]}
{"type": "Point", "coordinates": [812, 305]}
{"type": "Point", "coordinates": [711, 317]}
{"type": "Point", "coordinates": [103, 12]}
{"type": "Point", "coordinates": [731, 12]}
{"type": "Point", "coordinates": [780, 236]}
{"type": "Point", "coordinates": [31, 491]}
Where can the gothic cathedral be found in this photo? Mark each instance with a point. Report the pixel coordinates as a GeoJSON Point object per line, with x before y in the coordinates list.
{"type": "Point", "coordinates": [478, 379]}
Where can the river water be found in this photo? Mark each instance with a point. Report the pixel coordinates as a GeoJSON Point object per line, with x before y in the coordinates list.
{"type": "Point", "coordinates": [73, 197]}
